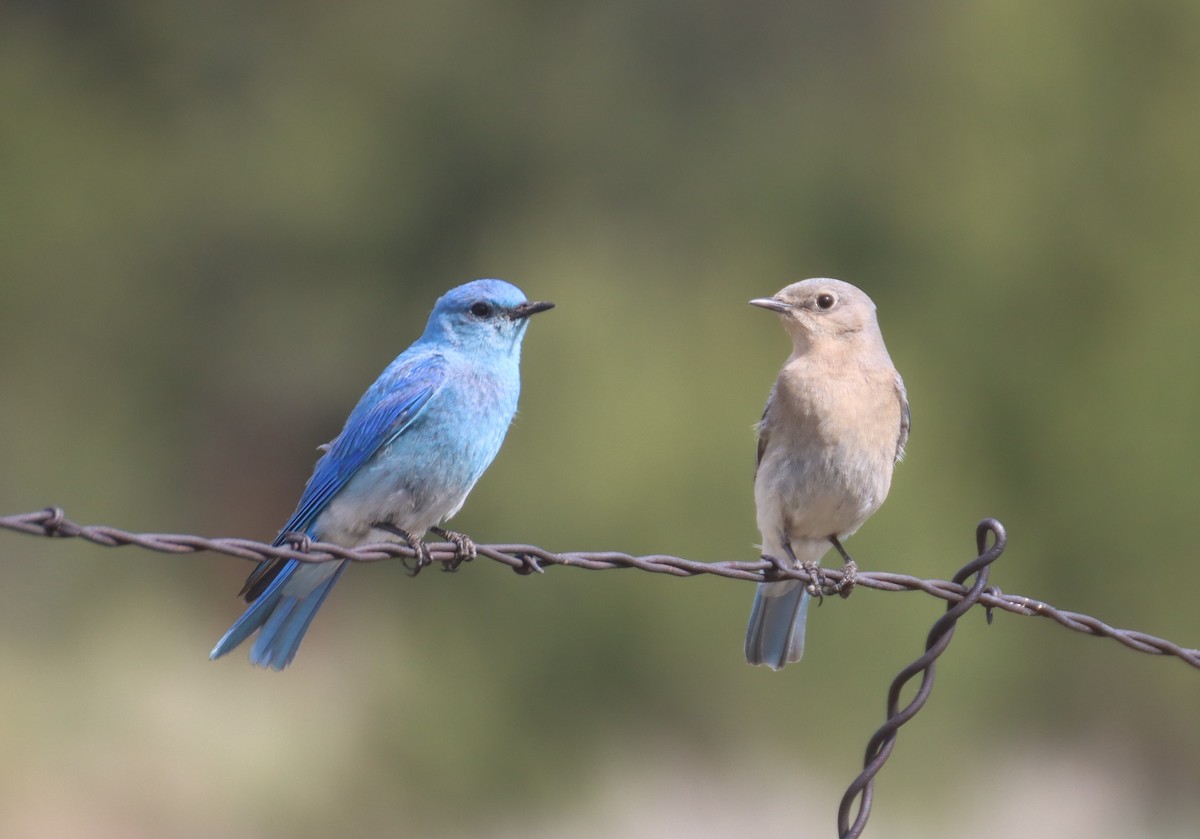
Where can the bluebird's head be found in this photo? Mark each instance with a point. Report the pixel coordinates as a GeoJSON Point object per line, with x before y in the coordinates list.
{"type": "Point", "coordinates": [483, 315]}
{"type": "Point", "coordinates": [820, 309]}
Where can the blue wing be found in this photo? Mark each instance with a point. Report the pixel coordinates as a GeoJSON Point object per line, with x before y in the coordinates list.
{"type": "Point", "coordinates": [385, 411]}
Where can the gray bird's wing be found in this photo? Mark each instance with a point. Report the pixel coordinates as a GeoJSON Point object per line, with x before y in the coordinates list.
{"type": "Point", "coordinates": [761, 430]}
{"type": "Point", "coordinates": [905, 418]}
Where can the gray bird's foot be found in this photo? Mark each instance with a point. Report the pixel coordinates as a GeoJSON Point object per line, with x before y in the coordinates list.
{"type": "Point", "coordinates": [849, 574]}
{"type": "Point", "coordinates": [849, 579]}
{"type": "Point", "coordinates": [817, 587]}
{"type": "Point", "coordinates": [423, 557]}
{"type": "Point", "coordinates": [464, 547]}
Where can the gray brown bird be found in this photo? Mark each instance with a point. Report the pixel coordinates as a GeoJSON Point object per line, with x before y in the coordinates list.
{"type": "Point", "coordinates": [834, 427]}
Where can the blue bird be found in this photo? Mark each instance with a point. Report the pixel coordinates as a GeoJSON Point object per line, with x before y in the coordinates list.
{"type": "Point", "coordinates": [410, 452]}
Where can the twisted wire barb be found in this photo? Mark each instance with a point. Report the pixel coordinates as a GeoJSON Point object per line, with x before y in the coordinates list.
{"type": "Point", "coordinates": [879, 748]}
{"type": "Point", "coordinates": [526, 559]}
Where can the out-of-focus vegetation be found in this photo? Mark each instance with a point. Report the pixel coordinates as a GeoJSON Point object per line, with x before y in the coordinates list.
{"type": "Point", "coordinates": [219, 222]}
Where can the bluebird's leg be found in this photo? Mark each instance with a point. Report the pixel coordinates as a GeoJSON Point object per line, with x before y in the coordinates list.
{"type": "Point", "coordinates": [849, 572]}
{"type": "Point", "coordinates": [464, 547]}
{"type": "Point", "coordinates": [414, 542]}
{"type": "Point", "coordinates": [811, 567]}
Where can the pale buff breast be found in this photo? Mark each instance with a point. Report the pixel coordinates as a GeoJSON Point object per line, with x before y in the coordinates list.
{"type": "Point", "coordinates": [831, 447]}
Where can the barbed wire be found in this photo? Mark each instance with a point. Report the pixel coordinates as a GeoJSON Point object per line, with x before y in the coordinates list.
{"type": "Point", "coordinates": [527, 559]}
{"type": "Point", "coordinates": [879, 748]}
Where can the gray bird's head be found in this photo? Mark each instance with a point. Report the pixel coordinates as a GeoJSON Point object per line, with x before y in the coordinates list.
{"type": "Point", "coordinates": [482, 316]}
{"type": "Point", "coordinates": [820, 308]}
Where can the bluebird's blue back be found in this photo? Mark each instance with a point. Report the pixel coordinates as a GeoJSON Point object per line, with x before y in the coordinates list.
{"type": "Point", "coordinates": [410, 452]}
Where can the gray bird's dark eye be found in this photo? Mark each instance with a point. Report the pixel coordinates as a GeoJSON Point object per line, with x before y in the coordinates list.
{"type": "Point", "coordinates": [481, 309]}
{"type": "Point", "coordinates": [825, 301]}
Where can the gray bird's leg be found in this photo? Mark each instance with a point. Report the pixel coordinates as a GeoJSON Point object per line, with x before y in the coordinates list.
{"type": "Point", "coordinates": [813, 569]}
{"type": "Point", "coordinates": [849, 571]}
{"type": "Point", "coordinates": [414, 542]}
{"type": "Point", "coordinates": [464, 547]}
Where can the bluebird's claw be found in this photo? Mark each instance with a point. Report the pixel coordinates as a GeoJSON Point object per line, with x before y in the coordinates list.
{"type": "Point", "coordinates": [422, 549]}
{"type": "Point", "coordinates": [464, 547]}
{"type": "Point", "coordinates": [849, 579]}
{"type": "Point", "coordinates": [423, 557]}
{"type": "Point", "coordinates": [849, 573]}
{"type": "Point", "coordinates": [817, 587]}
{"type": "Point", "coordinates": [297, 540]}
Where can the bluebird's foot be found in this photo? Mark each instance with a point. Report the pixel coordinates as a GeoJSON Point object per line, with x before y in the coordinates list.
{"type": "Point", "coordinates": [422, 549]}
{"type": "Point", "coordinates": [464, 547]}
{"type": "Point", "coordinates": [816, 588]}
{"type": "Point", "coordinates": [849, 579]}
{"type": "Point", "coordinates": [422, 559]}
{"type": "Point", "coordinates": [813, 569]}
{"type": "Point", "coordinates": [849, 574]}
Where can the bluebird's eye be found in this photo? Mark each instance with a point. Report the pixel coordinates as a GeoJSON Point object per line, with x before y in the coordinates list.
{"type": "Point", "coordinates": [825, 301]}
{"type": "Point", "coordinates": [481, 309]}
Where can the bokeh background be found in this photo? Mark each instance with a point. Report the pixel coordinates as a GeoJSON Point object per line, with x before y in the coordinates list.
{"type": "Point", "coordinates": [218, 222]}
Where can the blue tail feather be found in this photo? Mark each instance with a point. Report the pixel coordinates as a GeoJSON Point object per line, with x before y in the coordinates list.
{"type": "Point", "coordinates": [775, 634]}
{"type": "Point", "coordinates": [282, 613]}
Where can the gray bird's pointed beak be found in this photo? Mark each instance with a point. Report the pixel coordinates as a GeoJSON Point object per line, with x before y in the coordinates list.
{"type": "Point", "coordinates": [531, 307]}
{"type": "Point", "coordinates": [770, 303]}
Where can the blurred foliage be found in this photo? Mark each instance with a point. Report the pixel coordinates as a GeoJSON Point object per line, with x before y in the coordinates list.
{"type": "Point", "coordinates": [220, 221]}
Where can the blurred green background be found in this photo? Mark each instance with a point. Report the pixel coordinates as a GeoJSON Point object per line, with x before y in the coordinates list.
{"type": "Point", "coordinates": [218, 222]}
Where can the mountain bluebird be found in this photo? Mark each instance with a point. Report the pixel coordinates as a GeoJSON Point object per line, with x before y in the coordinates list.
{"type": "Point", "coordinates": [835, 424]}
{"type": "Point", "coordinates": [411, 450]}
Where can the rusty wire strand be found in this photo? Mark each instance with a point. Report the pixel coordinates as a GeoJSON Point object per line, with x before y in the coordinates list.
{"type": "Point", "coordinates": [526, 559]}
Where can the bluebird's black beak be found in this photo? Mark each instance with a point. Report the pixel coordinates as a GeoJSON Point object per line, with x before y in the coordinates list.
{"type": "Point", "coordinates": [530, 307]}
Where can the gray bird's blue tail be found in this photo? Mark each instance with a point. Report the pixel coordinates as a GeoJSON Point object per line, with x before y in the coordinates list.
{"type": "Point", "coordinates": [775, 635]}
{"type": "Point", "coordinates": [282, 612]}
